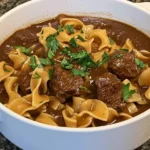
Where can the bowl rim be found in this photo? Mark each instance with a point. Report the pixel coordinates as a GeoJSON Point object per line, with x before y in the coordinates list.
{"type": "Point", "coordinates": [68, 129]}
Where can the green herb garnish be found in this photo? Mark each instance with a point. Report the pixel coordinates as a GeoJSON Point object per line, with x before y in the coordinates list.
{"type": "Point", "coordinates": [36, 76]}
{"type": "Point", "coordinates": [74, 56]}
{"type": "Point", "coordinates": [73, 43]}
{"type": "Point", "coordinates": [83, 58]}
{"type": "Point", "coordinates": [69, 28]}
{"type": "Point", "coordinates": [51, 54]}
{"type": "Point", "coordinates": [52, 44]}
{"type": "Point", "coordinates": [105, 58]}
{"type": "Point", "coordinates": [111, 41]}
{"type": "Point", "coordinates": [81, 38]}
{"type": "Point", "coordinates": [119, 55]}
{"type": "Point", "coordinates": [81, 73]}
{"type": "Point", "coordinates": [65, 64]}
{"type": "Point", "coordinates": [126, 92]}
{"type": "Point", "coordinates": [51, 72]}
{"type": "Point", "coordinates": [60, 29]}
{"type": "Point", "coordinates": [33, 64]}
{"type": "Point", "coordinates": [24, 50]}
{"type": "Point", "coordinates": [87, 61]}
{"type": "Point", "coordinates": [44, 61]}
{"type": "Point", "coordinates": [139, 63]}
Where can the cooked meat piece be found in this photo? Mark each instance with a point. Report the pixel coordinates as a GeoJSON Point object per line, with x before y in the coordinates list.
{"type": "Point", "coordinates": [109, 89]}
{"type": "Point", "coordinates": [123, 64]}
{"type": "Point", "coordinates": [26, 35]}
{"type": "Point", "coordinates": [24, 81]}
{"type": "Point", "coordinates": [64, 85]}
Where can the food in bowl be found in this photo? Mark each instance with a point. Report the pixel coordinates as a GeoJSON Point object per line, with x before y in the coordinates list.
{"type": "Point", "coordinates": [76, 72]}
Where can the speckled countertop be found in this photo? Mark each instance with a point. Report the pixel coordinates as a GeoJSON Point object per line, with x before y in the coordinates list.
{"type": "Point", "coordinates": [6, 5]}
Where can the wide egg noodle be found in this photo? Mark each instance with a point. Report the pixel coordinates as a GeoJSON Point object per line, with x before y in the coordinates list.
{"type": "Point", "coordinates": [113, 114]}
{"type": "Point", "coordinates": [45, 32]}
{"type": "Point", "coordinates": [44, 76]}
{"type": "Point", "coordinates": [11, 86]}
{"type": "Point", "coordinates": [87, 108]}
{"type": "Point", "coordinates": [6, 70]}
{"type": "Point", "coordinates": [132, 108]}
{"type": "Point", "coordinates": [37, 99]}
{"type": "Point", "coordinates": [54, 103]}
{"type": "Point", "coordinates": [102, 35]}
{"type": "Point", "coordinates": [18, 58]}
{"type": "Point", "coordinates": [87, 45]}
{"type": "Point", "coordinates": [46, 119]}
{"type": "Point", "coordinates": [143, 79]}
{"type": "Point", "coordinates": [21, 105]}
{"type": "Point", "coordinates": [147, 93]}
{"type": "Point", "coordinates": [128, 45]}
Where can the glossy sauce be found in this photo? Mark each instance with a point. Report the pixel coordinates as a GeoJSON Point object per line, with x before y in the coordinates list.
{"type": "Point", "coordinates": [119, 32]}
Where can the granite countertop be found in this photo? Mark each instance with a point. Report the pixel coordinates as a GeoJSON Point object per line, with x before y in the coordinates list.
{"type": "Point", "coordinates": [6, 5]}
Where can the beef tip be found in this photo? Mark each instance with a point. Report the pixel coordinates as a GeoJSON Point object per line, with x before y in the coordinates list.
{"type": "Point", "coordinates": [123, 64]}
{"type": "Point", "coordinates": [64, 85]}
{"type": "Point", "coordinates": [25, 36]}
{"type": "Point", "coordinates": [109, 89]}
{"type": "Point", "coordinates": [24, 81]}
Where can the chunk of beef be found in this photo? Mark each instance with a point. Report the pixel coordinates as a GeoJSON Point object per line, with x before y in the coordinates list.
{"type": "Point", "coordinates": [123, 64]}
{"type": "Point", "coordinates": [109, 89]}
{"type": "Point", "coordinates": [25, 36]}
{"type": "Point", "coordinates": [64, 85]}
{"type": "Point", "coordinates": [24, 81]}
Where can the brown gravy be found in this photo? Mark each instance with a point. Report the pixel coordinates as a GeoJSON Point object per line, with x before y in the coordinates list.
{"type": "Point", "coordinates": [117, 30]}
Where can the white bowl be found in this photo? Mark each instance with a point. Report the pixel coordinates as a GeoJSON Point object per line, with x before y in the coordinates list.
{"type": "Point", "coordinates": [31, 135]}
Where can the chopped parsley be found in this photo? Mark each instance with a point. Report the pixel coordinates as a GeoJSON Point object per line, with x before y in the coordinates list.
{"type": "Point", "coordinates": [73, 43]}
{"type": "Point", "coordinates": [105, 58]}
{"type": "Point", "coordinates": [24, 50]}
{"type": "Point", "coordinates": [33, 64]}
{"type": "Point", "coordinates": [60, 29]}
{"type": "Point", "coordinates": [51, 54]}
{"type": "Point", "coordinates": [69, 28]}
{"type": "Point", "coordinates": [139, 63]}
{"type": "Point", "coordinates": [36, 76]}
{"type": "Point", "coordinates": [87, 61]}
{"type": "Point", "coordinates": [51, 72]}
{"type": "Point", "coordinates": [73, 55]}
{"type": "Point", "coordinates": [119, 55]}
{"type": "Point", "coordinates": [53, 45]}
{"type": "Point", "coordinates": [111, 41]}
{"type": "Point", "coordinates": [126, 92]}
{"type": "Point", "coordinates": [65, 64]}
{"type": "Point", "coordinates": [81, 38]}
{"type": "Point", "coordinates": [81, 73]}
{"type": "Point", "coordinates": [44, 61]}
{"type": "Point", "coordinates": [83, 58]}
